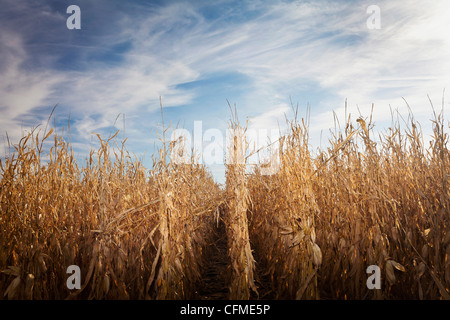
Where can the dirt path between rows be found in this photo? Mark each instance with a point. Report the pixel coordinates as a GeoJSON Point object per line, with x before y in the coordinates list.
{"type": "Point", "coordinates": [214, 285]}
{"type": "Point", "coordinates": [214, 278]}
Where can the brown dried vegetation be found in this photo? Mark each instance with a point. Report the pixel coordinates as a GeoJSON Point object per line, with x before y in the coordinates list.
{"type": "Point", "coordinates": [312, 228]}
{"type": "Point", "coordinates": [134, 234]}
{"type": "Point", "coordinates": [354, 205]}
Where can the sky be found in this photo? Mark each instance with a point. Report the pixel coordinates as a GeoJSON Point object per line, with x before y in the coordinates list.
{"type": "Point", "coordinates": [196, 57]}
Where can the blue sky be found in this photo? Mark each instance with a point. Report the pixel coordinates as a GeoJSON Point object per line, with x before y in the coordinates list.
{"type": "Point", "coordinates": [196, 55]}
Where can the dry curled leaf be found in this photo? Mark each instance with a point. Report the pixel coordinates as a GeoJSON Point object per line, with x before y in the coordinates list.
{"type": "Point", "coordinates": [297, 238]}
{"type": "Point", "coordinates": [106, 284]}
{"type": "Point", "coordinates": [317, 255]}
{"type": "Point", "coordinates": [12, 288]}
{"type": "Point", "coordinates": [286, 230]}
{"type": "Point", "coordinates": [313, 235]}
{"type": "Point", "coordinates": [398, 266]}
{"type": "Point", "coordinates": [390, 276]}
{"type": "Point", "coordinates": [12, 270]}
{"type": "Point", "coordinates": [420, 269]}
{"type": "Point", "coordinates": [390, 265]}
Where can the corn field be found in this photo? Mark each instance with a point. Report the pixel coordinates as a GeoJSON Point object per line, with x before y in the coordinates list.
{"type": "Point", "coordinates": [308, 231]}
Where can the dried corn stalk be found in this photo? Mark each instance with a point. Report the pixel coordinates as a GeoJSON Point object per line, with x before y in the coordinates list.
{"type": "Point", "coordinates": [240, 251]}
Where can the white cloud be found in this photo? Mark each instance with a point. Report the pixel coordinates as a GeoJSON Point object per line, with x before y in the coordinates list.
{"type": "Point", "coordinates": [21, 90]}
{"type": "Point", "coordinates": [285, 48]}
